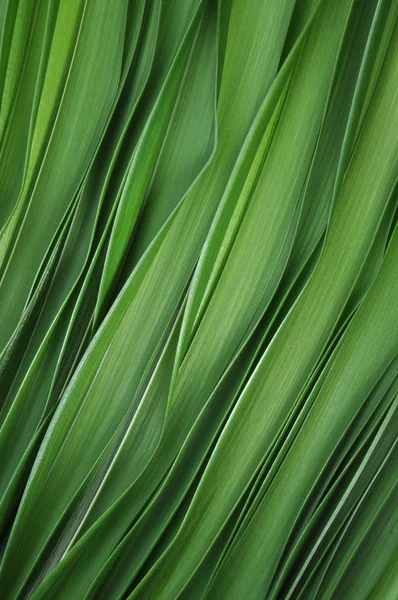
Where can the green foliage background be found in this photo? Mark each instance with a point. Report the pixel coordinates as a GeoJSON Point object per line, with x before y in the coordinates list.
{"type": "Point", "coordinates": [198, 299]}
